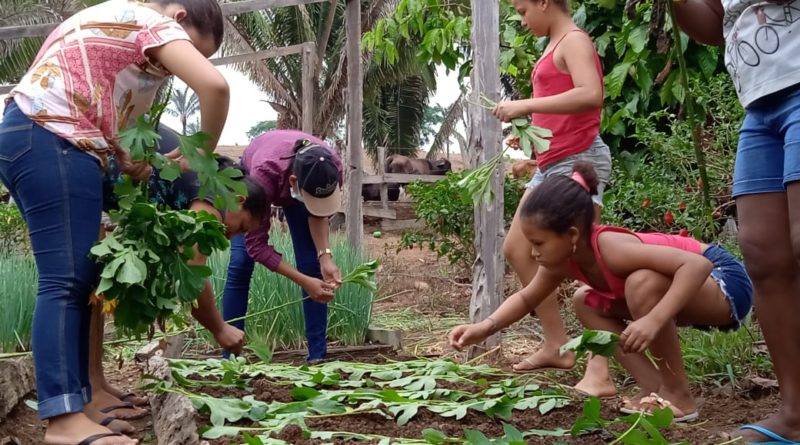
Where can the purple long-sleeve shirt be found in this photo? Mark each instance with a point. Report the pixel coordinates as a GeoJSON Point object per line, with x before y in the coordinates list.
{"type": "Point", "coordinates": [268, 160]}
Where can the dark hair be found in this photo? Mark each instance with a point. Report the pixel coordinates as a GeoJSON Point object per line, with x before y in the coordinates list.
{"type": "Point", "coordinates": [563, 4]}
{"type": "Point", "coordinates": [560, 202]}
{"type": "Point", "coordinates": [203, 15]}
{"type": "Point", "coordinates": [256, 200]}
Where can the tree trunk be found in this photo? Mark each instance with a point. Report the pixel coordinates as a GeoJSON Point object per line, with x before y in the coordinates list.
{"type": "Point", "coordinates": [485, 143]}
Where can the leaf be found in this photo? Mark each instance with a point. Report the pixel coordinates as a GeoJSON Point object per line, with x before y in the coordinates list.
{"type": "Point", "coordinates": [616, 79]}
{"type": "Point", "coordinates": [637, 38]}
{"type": "Point", "coordinates": [304, 393]}
{"type": "Point", "coordinates": [597, 342]}
{"type": "Point", "coordinates": [404, 412]}
{"type": "Point", "coordinates": [133, 271]}
{"type": "Point", "coordinates": [547, 406]}
{"type": "Point", "coordinates": [215, 432]}
{"type": "Point", "coordinates": [513, 435]}
{"type": "Point", "coordinates": [476, 438]}
{"type": "Point", "coordinates": [363, 275]}
{"type": "Point", "coordinates": [262, 351]}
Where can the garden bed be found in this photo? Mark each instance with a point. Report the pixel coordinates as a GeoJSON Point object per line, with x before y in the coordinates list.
{"type": "Point", "coordinates": [347, 402]}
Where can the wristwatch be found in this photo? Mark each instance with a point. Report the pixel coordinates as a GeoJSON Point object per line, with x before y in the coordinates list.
{"type": "Point", "coordinates": [324, 252]}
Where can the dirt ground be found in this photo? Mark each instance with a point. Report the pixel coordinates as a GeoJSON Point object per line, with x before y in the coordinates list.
{"type": "Point", "coordinates": [425, 297]}
{"type": "Point", "coordinates": [23, 427]}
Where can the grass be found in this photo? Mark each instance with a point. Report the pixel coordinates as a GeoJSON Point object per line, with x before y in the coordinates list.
{"type": "Point", "coordinates": [724, 357]}
{"type": "Point", "coordinates": [18, 279]}
{"type": "Point", "coordinates": [350, 312]}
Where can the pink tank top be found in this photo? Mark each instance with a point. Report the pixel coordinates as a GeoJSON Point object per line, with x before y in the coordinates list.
{"type": "Point", "coordinates": [602, 299]}
{"type": "Point", "coordinates": [572, 133]}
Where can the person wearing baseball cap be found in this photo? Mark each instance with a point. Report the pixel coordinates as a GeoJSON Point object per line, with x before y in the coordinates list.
{"type": "Point", "coordinates": [303, 175]}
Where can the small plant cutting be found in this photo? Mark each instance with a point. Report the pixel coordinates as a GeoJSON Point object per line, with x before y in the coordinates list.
{"type": "Point", "coordinates": [597, 342]}
{"type": "Point", "coordinates": [146, 275]}
{"type": "Point", "coordinates": [475, 184]}
{"type": "Point", "coordinates": [363, 275]}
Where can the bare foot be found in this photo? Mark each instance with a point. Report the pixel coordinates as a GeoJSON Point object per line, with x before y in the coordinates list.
{"type": "Point", "coordinates": [544, 359]}
{"type": "Point", "coordinates": [596, 387]}
{"type": "Point", "coordinates": [785, 426]}
{"type": "Point", "coordinates": [104, 402]}
{"type": "Point", "coordinates": [72, 429]}
{"type": "Point", "coordinates": [108, 420]}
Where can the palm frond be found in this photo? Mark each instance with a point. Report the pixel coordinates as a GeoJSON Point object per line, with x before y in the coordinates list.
{"type": "Point", "coordinates": [454, 115]}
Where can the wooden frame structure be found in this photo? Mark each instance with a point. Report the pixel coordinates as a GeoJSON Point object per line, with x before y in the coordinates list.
{"type": "Point", "coordinates": [309, 53]}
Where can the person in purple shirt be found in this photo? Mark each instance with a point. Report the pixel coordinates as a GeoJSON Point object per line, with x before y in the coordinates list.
{"type": "Point", "coordinates": [303, 175]}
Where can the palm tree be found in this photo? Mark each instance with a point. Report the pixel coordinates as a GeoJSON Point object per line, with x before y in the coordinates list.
{"type": "Point", "coordinates": [395, 95]}
{"type": "Point", "coordinates": [184, 104]}
{"type": "Point", "coordinates": [16, 55]}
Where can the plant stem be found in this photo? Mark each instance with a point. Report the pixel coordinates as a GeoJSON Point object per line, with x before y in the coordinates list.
{"type": "Point", "coordinates": [635, 424]}
{"type": "Point", "coordinates": [689, 103]}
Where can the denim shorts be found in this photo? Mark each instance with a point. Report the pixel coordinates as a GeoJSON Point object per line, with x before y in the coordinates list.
{"type": "Point", "coordinates": [598, 154]}
{"type": "Point", "coordinates": [734, 282]}
{"type": "Point", "coordinates": [768, 156]}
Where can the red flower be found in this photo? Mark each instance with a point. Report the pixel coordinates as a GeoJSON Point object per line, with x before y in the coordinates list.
{"type": "Point", "coordinates": [716, 214]}
{"type": "Point", "coordinates": [682, 206]}
{"type": "Point", "coordinates": [645, 203]}
{"type": "Point", "coordinates": [684, 232]}
{"type": "Point", "coordinates": [668, 218]}
{"type": "Point", "coordinates": [700, 183]}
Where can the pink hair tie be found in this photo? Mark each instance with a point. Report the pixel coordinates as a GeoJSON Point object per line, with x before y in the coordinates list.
{"type": "Point", "coordinates": [577, 177]}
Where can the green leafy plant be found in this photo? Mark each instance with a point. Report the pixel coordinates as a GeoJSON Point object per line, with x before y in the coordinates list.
{"type": "Point", "coordinates": [18, 283]}
{"type": "Point", "coordinates": [634, 429]}
{"type": "Point", "coordinates": [597, 342]}
{"type": "Point", "coordinates": [449, 219]}
{"type": "Point", "coordinates": [145, 271]}
{"type": "Point", "coordinates": [13, 234]}
{"type": "Point", "coordinates": [363, 275]}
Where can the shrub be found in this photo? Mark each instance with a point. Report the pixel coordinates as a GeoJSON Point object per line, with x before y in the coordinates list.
{"type": "Point", "coordinates": [13, 233]}
{"type": "Point", "coordinates": [658, 188]}
{"type": "Point", "coordinates": [449, 222]}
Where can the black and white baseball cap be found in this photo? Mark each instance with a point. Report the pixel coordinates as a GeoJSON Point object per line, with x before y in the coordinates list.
{"type": "Point", "coordinates": [318, 179]}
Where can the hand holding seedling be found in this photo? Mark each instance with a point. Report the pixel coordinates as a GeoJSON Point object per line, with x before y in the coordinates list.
{"type": "Point", "coordinates": [330, 272]}
{"type": "Point", "coordinates": [230, 338]}
{"type": "Point", "coordinates": [319, 290]}
{"type": "Point", "coordinates": [638, 336]}
{"type": "Point", "coordinates": [508, 110]}
{"type": "Point", "coordinates": [469, 334]}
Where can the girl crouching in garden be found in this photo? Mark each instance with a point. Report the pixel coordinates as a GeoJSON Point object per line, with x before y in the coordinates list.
{"type": "Point", "coordinates": [640, 285]}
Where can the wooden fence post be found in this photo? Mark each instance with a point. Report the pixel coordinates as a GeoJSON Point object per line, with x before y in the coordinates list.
{"type": "Point", "coordinates": [354, 219]}
{"type": "Point", "coordinates": [309, 85]}
{"type": "Point", "coordinates": [382, 174]}
{"type": "Point", "coordinates": [485, 143]}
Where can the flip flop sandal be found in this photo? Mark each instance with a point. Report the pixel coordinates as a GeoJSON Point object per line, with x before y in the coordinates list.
{"type": "Point", "coordinates": [96, 437]}
{"type": "Point", "coordinates": [655, 401]}
{"type": "Point", "coordinates": [131, 395]}
{"type": "Point", "coordinates": [777, 439]}
{"type": "Point", "coordinates": [125, 405]}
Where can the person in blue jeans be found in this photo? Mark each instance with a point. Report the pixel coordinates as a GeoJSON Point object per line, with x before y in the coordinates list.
{"type": "Point", "coordinates": [302, 174]}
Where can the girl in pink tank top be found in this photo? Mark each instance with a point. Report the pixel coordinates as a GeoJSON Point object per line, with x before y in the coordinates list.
{"type": "Point", "coordinates": [639, 285]}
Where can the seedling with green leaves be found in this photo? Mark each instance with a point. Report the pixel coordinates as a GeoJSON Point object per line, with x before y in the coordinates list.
{"type": "Point", "coordinates": [597, 342]}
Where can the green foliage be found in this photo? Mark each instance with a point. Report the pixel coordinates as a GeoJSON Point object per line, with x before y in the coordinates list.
{"type": "Point", "coordinates": [261, 128]}
{"type": "Point", "coordinates": [442, 31]}
{"type": "Point", "coordinates": [13, 233]}
{"type": "Point", "coordinates": [18, 284]}
{"type": "Point", "coordinates": [145, 262]}
{"type": "Point", "coordinates": [146, 273]}
{"type": "Point", "coordinates": [349, 315]}
{"type": "Point", "coordinates": [597, 342]}
{"type": "Point", "coordinates": [720, 358]}
{"type": "Point", "coordinates": [449, 219]}
{"type": "Point", "coordinates": [634, 429]}
{"type": "Point", "coordinates": [663, 178]}
{"type": "Point", "coordinates": [399, 389]}
{"type": "Point", "coordinates": [363, 275]}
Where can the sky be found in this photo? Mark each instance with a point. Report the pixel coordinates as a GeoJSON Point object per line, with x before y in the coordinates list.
{"type": "Point", "coordinates": [248, 106]}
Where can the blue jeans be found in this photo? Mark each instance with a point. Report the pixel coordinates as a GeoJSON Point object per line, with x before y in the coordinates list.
{"type": "Point", "coordinates": [768, 156]}
{"type": "Point", "coordinates": [240, 270]}
{"type": "Point", "coordinates": [58, 191]}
